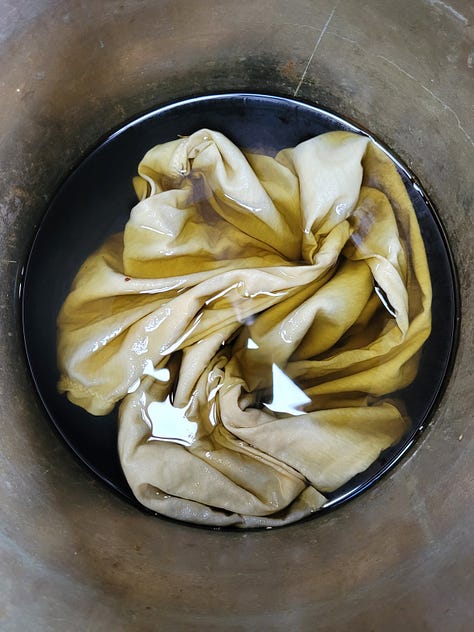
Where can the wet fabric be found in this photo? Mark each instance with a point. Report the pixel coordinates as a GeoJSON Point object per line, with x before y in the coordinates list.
{"type": "Point", "coordinates": [254, 320]}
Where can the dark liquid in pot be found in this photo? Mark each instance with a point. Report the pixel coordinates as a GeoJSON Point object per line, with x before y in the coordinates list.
{"type": "Point", "coordinates": [95, 202]}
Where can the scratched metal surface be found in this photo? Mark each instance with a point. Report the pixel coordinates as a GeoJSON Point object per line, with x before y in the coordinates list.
{"type": "Point", "coordinates": [75, 557]}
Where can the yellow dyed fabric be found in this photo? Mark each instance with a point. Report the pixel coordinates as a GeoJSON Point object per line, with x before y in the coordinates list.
{"type": "Point", "coordinates": [240, 278]}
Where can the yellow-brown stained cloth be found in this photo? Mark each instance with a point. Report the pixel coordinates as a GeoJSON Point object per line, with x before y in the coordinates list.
{"type": "Point", "coordinates": [250, 319]}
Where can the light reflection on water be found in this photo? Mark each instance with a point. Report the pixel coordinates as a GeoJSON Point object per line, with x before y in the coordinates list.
{"type": "Point", "coordinates": [169, 423]}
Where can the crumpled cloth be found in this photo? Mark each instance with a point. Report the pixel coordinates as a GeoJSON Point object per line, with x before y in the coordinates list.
{"type": "Point", "coordinates": [240, 278]}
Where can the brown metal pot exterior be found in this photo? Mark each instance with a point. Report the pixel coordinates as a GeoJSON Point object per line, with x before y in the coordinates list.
{"type": "Point", "coordinates": [74, 556]}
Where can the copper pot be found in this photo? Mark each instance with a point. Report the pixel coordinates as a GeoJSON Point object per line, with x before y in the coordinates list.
{"type": "Point", "coordinates": [74, 555]}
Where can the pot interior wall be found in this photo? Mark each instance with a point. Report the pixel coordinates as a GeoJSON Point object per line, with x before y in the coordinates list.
{"type": "Point", "coordinates": [75, 556]}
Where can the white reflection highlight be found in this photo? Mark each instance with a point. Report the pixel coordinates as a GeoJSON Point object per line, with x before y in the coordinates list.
{"type": "Point", "coordinates": [162, 375]}
{"type": "Point", "coordinates": [341, 209]}
{"type": "Point", "coordinates": [384, 300]}
{"type": "Point", "coordinates": [168, 349]}
{"type": "Point", "coordinates": [140, 346]}
{"type": "Point", "coordinates": [169, 423]}
{"type": "Point", "coordinates": [222, 293]}
{"type": "Point", "coordinates": [106, 339]}
{"type": "Point", "coordinates": [251, 344]}
{"type": "Point", "coordinates": [247, 207]}
{"type": "Point", "coordinates": [248, 294]}
{"type": "Point", "coordinates": [287, 396]}
{"type": "Point", "coordinates": [157, 319]}
{"type": "Point", "coordinates": [134, 386]}
{"type": "Point", "coordinates": [165, 287]}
